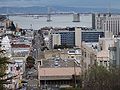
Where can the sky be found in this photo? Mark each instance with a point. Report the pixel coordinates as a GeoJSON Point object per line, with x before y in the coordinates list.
{"type": "Point", "coordinates": [67, 3]}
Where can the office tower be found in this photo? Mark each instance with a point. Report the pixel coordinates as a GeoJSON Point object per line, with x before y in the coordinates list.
{"type": "Point", "coordinates": [108, 22]}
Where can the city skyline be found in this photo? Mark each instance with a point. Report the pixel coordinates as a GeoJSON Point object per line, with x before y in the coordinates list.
{"type": "Point", "coordinates": [67, 3]}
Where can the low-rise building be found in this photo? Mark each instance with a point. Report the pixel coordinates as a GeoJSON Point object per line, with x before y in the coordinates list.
{"type": "Point", "coordinates": [103, 58]}
{"type": "Point", "coordinates": [89, 53]}
{"type": "Point", "coordinates": [58, 72]}
{"type": "Point", "coordinates": [15, 70]}
{"type": "Point", "coordinates": [20, 50]}
{"type": "Point", "coordinates": [64, 54]}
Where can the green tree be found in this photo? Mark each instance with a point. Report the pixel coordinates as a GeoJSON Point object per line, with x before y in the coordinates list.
{"type": "Point", "coordinates": [3, 63]}
{"type": "Point", "coordinates": [30, 61]}
{"type": "Point", "coordinates": [100, 78]}
{"type": "Point", "coordinates": [115, 78]}
{"type": "Point", "coordinates": [97, 78]}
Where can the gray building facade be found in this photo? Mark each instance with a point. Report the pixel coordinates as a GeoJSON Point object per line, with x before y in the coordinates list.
{"type": "Point", "coordinates": [114, 53]}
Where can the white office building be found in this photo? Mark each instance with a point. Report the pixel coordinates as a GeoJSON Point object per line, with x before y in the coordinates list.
{"type": "Point", "coordinates": [108, 22]}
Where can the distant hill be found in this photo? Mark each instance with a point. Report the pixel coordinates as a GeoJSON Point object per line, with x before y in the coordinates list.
{"type": "Point", "coordinates": [38, 9]}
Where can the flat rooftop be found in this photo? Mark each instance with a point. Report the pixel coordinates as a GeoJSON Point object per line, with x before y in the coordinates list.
{"type": "Point", "coordinates": [58, 69]}
{"type": "Point", "coordinates": [58, 62]}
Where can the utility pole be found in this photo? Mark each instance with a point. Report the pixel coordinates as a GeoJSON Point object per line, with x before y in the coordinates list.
{"type": "Point", "coordinates": [38, 74]}
{"type": "Point", "coordinates": [45, 84]}
{"type": "Point", "coordinates": [75, 83]}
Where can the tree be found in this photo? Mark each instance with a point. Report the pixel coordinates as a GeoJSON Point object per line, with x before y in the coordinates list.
{"type": "Point", "coordinates": [100, 78]}
{"type": "Point", "coordinates": [115, 78]}
{"type": "Point", "coordinates": [97, 78]}
{"type": "Point", "coordinates": [30, 61]}
{"type": "Point", "coordinates": [3, 63]}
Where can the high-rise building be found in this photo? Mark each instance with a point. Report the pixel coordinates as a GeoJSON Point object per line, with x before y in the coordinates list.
{"type": "Point", "coordinates": [108, 22]}
{"type": "Point", "coordinates": [99, 21]}
{"type": "Point", "coordinates": [112, 24]}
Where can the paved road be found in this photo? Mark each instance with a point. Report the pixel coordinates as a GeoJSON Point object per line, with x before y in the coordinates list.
{"type": "Point", "coordinates": [38, 44]}
{"type": "Point", "coordinates": [31, 74]}
{"type": "Point", "coordinates": [33, 84]}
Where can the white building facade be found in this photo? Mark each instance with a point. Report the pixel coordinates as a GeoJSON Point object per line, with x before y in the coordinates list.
{"type": "Point", "coordinates": [108, 22]}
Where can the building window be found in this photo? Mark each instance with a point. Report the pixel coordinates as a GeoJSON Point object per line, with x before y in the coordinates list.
{"type": "Point", "coordinates": [40, 63]}
{"type": "Point", "coordinates": [72, 56]}
{"type": "Point", "coordinates": [85, 54]}
{"type": "Point", "coordinates": [101, 63]}
{"type": "Point", "coordinates": [10, 68]}
{"type": "Point", "coordinates": [105, 63]}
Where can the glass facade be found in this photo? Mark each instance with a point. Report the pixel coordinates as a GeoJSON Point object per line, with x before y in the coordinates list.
{"type": "Point", "coordinates": [67, 38]}
{"type": "Point", "coordinates": [91, 36]}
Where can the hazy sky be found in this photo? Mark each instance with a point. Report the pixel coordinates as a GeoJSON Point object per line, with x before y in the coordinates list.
{"type": "Point", "coordinates": [68, 3]}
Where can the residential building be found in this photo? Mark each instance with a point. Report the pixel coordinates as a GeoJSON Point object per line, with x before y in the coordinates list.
{"type": "Point", "coordinates": [89, 55]}
{"type": "Point", "coordinates": [103, 58]}
{"type": "Point", "coordinates": [6, 45]}
{"type": "Point", "coordinates": [15, 69]}
{"type": "Point", "coordinates": [103, 55]}
{"type": "Point", "coordinates": [20, 50]}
